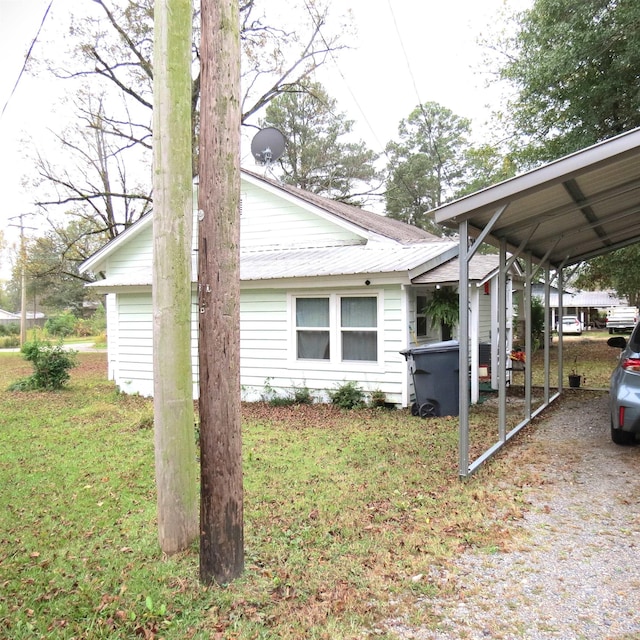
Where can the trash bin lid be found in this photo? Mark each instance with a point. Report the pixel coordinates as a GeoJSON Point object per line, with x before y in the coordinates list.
{"type": "Point", "coordinates": [433, 347]}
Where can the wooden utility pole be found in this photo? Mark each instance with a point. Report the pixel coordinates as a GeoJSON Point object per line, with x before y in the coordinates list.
{"type": "Point", "coordinates": [23, 277]}
{"type": "Point", "coordinates": [221, 502]}
{"type": "Point", "coordinates": [175, 451]}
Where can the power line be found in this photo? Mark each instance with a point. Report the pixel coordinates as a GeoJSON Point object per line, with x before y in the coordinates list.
{"type": "Point", "coordinates": [26, 59]}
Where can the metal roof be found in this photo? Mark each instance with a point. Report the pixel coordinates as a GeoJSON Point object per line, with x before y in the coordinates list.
{"type": "Point", "coordinates": [382, 258]}
{"type": "Point", "coordinates": [349, 260]}
{"type": "Point", "coordinates": [581, 206]}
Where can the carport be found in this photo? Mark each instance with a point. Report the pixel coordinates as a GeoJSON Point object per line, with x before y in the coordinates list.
{"type": "Point", "coordinates": [549, 219]}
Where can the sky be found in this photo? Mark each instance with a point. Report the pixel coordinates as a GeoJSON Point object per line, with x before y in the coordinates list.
{"type": "Point", "coordinates": [405, 52]}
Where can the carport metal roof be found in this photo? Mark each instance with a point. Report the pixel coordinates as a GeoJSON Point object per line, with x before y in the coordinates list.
{"type": "Point", "coordinates": [564, 212]}
{"type": "Point", "coordinates": [560, 214]}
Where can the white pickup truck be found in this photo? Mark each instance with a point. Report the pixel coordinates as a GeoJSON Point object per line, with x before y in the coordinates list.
{"type": "Point", "coordinates": [622, 318]}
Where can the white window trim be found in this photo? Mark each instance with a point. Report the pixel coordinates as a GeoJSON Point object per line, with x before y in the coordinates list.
{"type": "Point", "coordinates": [335, 332]}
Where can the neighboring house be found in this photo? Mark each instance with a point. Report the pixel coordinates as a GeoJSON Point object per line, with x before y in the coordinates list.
{"type": "Point", "coordinates": [8, 318]}
{"type": "Point", "coordinates": [330, 293]}
{"type": "Point", "coordinates": [589, 306]}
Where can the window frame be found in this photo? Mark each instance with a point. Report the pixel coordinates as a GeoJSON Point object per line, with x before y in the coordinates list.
{"type": "Point", "coordinates": [336, 331]}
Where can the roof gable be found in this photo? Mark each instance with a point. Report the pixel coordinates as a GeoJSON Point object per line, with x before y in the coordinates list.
{"type": "Point", "coordinates": [281, 221]}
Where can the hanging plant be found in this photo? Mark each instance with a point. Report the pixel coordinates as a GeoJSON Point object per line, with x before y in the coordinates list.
{"type": "Point", "coordinates": [443, 307]}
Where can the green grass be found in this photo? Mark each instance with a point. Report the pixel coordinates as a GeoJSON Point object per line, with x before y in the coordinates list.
{"type": "Point", "coordinates": [346, 515]}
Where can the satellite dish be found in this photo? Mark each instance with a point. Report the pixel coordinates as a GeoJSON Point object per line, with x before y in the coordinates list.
{"type": "Point", "coordinates": [267, 145]}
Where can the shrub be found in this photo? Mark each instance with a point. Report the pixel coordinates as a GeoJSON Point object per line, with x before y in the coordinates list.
{"type": "Point", "coordinates": [9, 342]}
{"type": "Point", "coordinates": [378, 398]}
{"type": "Point", "coordinates": [62, 325]}
{"type": "Point", "coordinates": [51, 365]}
{"type": "Point", "coordinates": [10, 329]}
{"type": "Point", "coordinates": [298, 395]}
{"type": "Point", "coordinates": [348, 396]}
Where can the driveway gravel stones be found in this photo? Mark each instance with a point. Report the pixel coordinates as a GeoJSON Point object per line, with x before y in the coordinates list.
{"type": "Point", "coordinates": [574, 570]}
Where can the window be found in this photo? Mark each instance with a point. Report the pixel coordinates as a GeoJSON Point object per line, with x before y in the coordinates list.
{"type": "Point", "coordinates": [337, 327]}
{"type": "Point", "coordinates": [312, 328]}
{"type": "Point", "coordinates": [422, 329]}
{"type": "Point", "coordinates": [358, 323]}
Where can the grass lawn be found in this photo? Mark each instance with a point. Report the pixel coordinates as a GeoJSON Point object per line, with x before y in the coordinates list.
{"type": "Point", "coordinates": [349, 516]}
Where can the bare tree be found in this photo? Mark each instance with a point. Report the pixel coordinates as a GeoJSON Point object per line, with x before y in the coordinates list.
{"type": "Point", "coordinates": [94, 183]}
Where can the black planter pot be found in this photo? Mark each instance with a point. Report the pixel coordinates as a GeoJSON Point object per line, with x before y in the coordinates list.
{"type": "Point", "coordinates": [574, 380]}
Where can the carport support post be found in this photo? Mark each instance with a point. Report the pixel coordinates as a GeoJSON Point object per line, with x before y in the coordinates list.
{"type": "Point", "coordinates": [528, 350]}
{"type": "Point", "coordinates": [560, 332]}
{"type": "Point", "coordinates": [547, 332]}
{"type": "Point", "coordinates": [463, 333]}
{"type": "Point", "coordinates": [502, 341]}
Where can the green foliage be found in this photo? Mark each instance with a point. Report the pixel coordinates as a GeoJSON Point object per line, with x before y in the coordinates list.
{"type": "Point", "coordinates": [316, 157]}
{"type": "Point", "coordinates": [11, 329]}
{"type": "Point", "coordinates": [427, 165]}
{"type": "Point", "coordinates": [575, 69]}
{"type": "Point", "coordinates": [614, 271]}
{"type": "Point", "coordinates": [537, 322]}
{"type": "Point", "coordinates": [51, 364]}
{"type": "Point", "coordinates": [348, 396]}
{"type": "Point", "coordinates": [378, 398]}
{"type": "Point", "coordinates": [297, 395]}
{"type": "Point", "coordinates": [62, 325]}
{"type": "Point", "coordinates": [443, 307]}
{"type": "Point", "coordinates": [9, 342]}
{"type": "Point", "coordinates": [574, 66]}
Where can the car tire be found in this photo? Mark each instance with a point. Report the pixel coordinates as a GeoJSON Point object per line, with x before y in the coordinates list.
{"type": "Point", "coordinates": [624, 438]}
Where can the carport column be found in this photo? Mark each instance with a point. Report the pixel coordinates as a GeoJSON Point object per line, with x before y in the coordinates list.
{"type": "Point", "coordinates": [463, 362]}
{"type": "Point", "coordinates": [502, 341]}
{"type": "Point", "coordinates": [548, 328]}
{"type": "Point", "coordinates": [474, 306]}
{"type": "Point", "coordinates": [560, 333]}
{"type": "Point", "coordinates": [528, 346]}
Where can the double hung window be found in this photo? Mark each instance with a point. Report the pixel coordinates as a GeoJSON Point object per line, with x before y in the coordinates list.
{"type": "Point", "coordinates": [337, 328]}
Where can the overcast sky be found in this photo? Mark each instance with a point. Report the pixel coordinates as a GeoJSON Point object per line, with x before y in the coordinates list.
{"type": "Point", "coordinates": [406, 52]}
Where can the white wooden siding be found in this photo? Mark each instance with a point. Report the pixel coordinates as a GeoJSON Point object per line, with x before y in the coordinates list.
{"type": "Point", "coordinates": [270, 221]}
{"type": "Point", "coordinates": [135, 344]}
{"type": "Point", "coordinates": [268, 349]}
{"type": "Point", "coordinates": [111, 308]}
{"type": "Point", "coordinates": [135, 255]}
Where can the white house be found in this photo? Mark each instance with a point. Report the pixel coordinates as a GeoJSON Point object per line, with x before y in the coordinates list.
{"type": "Point", "coordinates": [330, 293]}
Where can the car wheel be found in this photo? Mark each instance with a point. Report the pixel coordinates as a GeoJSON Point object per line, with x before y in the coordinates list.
{"type": "Point", "coordinates": [624, 438]}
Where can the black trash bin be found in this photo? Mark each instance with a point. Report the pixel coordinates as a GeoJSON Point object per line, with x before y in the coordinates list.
{"type": "Point", "coordinates": [436, 383]}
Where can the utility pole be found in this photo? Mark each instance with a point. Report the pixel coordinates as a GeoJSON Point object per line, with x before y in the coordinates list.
{"type": "Point", "coordinates": [23, 275]}
{"type": "Point", "coordinates": [221, 501]}
{"type": "Point", "coordinates": [175, 447]}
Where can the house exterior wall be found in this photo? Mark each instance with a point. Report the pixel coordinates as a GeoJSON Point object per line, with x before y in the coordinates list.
{"type": "Point", "coordinates": [136, 255]}
{"type": "Point", "coordinates": [267, 220]}
{"type": "Point", "coordinates": [268, 363]}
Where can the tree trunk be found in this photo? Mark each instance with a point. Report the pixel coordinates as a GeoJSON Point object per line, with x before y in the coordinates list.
{"type": "Point", "coordinates": [221, 505]}
{"type": "Point", "coordinates": [176, 474]}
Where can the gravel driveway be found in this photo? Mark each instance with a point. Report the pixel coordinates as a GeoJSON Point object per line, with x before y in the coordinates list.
{"type": "Point", "coordinates": [576, 571]}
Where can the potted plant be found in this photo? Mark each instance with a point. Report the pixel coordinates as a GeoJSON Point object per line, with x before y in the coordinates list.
{"type": "Point", "coordinates": [443, 309]}
{"type": "Point", "coordinates": [575, 378]}
{"type": "Point", "coordinates": [518, 358]}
